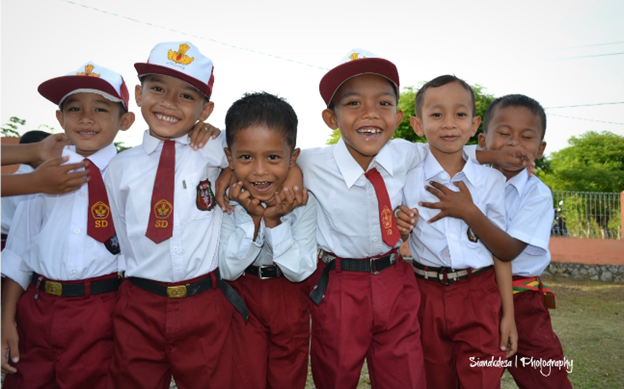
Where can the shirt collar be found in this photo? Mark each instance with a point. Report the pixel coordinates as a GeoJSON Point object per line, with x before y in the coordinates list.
{"type": "Point", "coordinates": [150, 143]}
{"type": "Point", "coordinates": [100, 158]}
{"type": "Point", "coordinates": [351, 171]}
{"type": "Point", "coordinates": [519, 181]}
{"type": "Point", "coordinates": [433, 169]}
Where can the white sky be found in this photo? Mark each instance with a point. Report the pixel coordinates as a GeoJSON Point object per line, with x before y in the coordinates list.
{"type": "Point", "coordinates": [559, 52]}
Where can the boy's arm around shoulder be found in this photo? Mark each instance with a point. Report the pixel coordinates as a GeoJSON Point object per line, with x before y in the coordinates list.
{"type": "Point", "coordinates": [294, 241]}
{"type": "Point", "coordinates": [237, 248]}
{"type": "Point", "coordinates": [214, 153]}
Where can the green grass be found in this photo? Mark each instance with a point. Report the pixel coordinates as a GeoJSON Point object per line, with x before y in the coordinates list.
{"type": "Point", "coordinates": [589, 321]}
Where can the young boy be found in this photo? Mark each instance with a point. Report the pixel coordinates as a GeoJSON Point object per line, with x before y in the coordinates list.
{"type": "Point", "coordinates": [460, 306]}
{"type": "Point", "coordinates": [512, 120]}
{"type": "Point", "coordinates": [268, 244]}
{"type": "Point", "coordinates": [62, 249]}
{"type": "Point", "coordinates": [365, 297]}
{"type": "Point", "coordinates": [173, 316]}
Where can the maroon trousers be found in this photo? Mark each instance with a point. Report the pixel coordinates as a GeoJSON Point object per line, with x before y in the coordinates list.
{"type": "Point", "coordinates": [157, 337]}
{"type": "Point", "coordinates": [536, 342]}
{"type": "Point", "coordinates": [272, 349]}
{"type": "Point", "coordinates": [460, 333]}
{"type": "Point", "coordinates": [367, 316]}
{"type": "Point", "coordinates": [64, 342]}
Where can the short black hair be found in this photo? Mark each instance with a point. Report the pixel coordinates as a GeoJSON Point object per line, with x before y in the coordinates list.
{"type": "Point", "coordinates": [261, 108]}
{"type": "Point", "coordinates": [33, 136]}
{"type": "Point", "coordinates": [394, 88]}
{"type": "Point", "coordinates": [438, 82]}
{"type": "Point", "coordinates": [515, 100]}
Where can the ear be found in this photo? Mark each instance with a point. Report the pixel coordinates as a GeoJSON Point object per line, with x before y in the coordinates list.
{"type": "Point", "coordinates": [482, 142]}
{"type": "Point", "coordinates": [138, 94]}
{"type": "Point", "coordinates": [540, 151]}
{"type": "Point", "coordinates": [329, 117]}
{"type": "Point", "coordinates": [206, 111]}
{"type": "Point", "coordinates": [399, 117]}
{"type": "Point", "coordinates": [126, 121]}
{"type": "Point", "coordinates": [475, 124]}
{"type": "Point", "coordinates": [59, 117]}
{"type": "Point", "coordinates": [416, 124]}
{"type": "Point", "coordinates": [294, 156]}
{"type": "Point", "coordinates": [229, 156]}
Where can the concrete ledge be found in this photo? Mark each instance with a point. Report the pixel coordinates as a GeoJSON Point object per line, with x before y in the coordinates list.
{"type": "Point", "coordinates": [587, 251]}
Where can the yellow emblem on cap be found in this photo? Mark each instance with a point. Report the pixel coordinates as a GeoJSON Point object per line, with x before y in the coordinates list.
{"type": "Point", "coordinates": [180, 56]}
{"type": "Point", "coordinates": [355, 56]}
{"type": "Point", "coordinates": [88, 72]}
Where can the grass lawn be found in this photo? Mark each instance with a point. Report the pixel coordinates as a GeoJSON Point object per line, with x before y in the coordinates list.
{"type": "Point", "coordinates": [589, 321]}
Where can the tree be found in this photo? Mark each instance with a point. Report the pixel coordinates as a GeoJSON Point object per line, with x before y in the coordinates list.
{"type": "Point", "coordinates": [593, 162]}
{"type": "Point", "coordinates": [9, 130]}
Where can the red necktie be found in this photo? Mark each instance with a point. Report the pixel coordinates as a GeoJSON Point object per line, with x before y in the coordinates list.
{"type": "Point", "coordinates": [389, 229]}
{"type": "Point", "coordinates": [160, 226]}
{"type": "Point", "coordinates": [100, 222]}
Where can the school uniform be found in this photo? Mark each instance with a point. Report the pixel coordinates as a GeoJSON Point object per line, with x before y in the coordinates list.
{"type": "Point", "coordinates": [530, 214]}
{"type": "Point", "coordinates": [460, 301]}
{"type": "Point", "coordinates": [64, 318]}
{"type": "Point", "coordinates": [364, 306]}
{"type": "Point", "coordinates": [270, 273]}
{"type": "Point", "coordinates": [172, 317]}
{"type": "Point", "coordinates": [9, 205]}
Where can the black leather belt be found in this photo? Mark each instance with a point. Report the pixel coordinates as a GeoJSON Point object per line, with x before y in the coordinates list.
{"type": "Point", "coordinates": [264, 272]}
{"type": "Point", "coordinates": [192, 289]}
{"type": "Point", "coordinates": [372, 265]}
{"type": "Point", "coordinates": [446, 275]}
{"type": "Point", "coordinates": [74, 290]}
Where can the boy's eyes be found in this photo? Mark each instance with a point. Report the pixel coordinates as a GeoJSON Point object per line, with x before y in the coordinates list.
{"type": "Point", "coordinates": [187, 96]}
{"type": "Point", "coordinates": [245, 157]}
{"type": "Point", "coordinates": [462, 114]}
{"type": "Point", "coordinates": [274, 157]}
{"type": "Point", "coordinates": [157, 89]}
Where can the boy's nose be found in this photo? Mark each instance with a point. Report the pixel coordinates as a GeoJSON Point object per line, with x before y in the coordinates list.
{"type": "Point", "coordinates": [370, 111]}
{"type": "Point", "coordinates": [260, 168]}
{"type": "Point", "coordinates": [86, 117]}
{"type": "Point", "coordinates": [167, 101]}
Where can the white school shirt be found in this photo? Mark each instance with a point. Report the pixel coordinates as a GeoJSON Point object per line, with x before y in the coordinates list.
{"type": "Point", "coordinates": [348, 212]}
{"type": "Point", "coordinates": [192, 250]}
{"type": "Point", "coordinates": [530, 214]}
{"type": "Point", "coordinates": [445, 242]}
{"type": "Point", "coordinates": [49, 234]}
{"type": "Point", "coordinates": [290, 245]}
{"type": "Point", "coordinates": [9, 203]}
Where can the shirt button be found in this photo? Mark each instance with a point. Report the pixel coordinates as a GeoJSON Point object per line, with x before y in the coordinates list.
{"type": "Point", "coordinates": [82, 194]}
{"type": "Point", "coordinates": [375, 240]}
{"type": "Point", "coordinates": [77, 230]}
{"type": "Point", "coordinates": [175, 249]}
{"type": "Point", "coordinates": [74, 271]}
{"type": "Point", "coordinates": [444, 176]}
{"type": "Point", "coordinates": [452, 236]}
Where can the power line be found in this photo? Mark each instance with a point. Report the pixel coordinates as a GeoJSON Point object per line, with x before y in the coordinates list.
{"type": "Point", "coordinates": [579, 47]}
{"type": "Point", "coordinates": [584, 105]}
{"type": "Point", "coordinates": [589, 120]}
{"type": "Point", "coordinates": [584, 56]}
{"type": "Point", "coordinates": [193, 35]}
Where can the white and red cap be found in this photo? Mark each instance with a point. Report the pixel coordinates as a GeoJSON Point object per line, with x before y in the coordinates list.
{"type": "Point", "coordinates": [181, 60]}
{"type": "Point", "coordinates": [89, 78]}
{"type": "Point", "coordinates": [355, 63]}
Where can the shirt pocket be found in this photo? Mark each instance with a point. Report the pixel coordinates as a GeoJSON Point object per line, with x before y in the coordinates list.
{"type": "Point", "coordinates": [200, 194]}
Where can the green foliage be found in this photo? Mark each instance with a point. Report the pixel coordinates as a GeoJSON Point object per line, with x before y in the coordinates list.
{"type": "Point", "coordinates": [333, 138]}
{"type": "Point", "coordinates": [594, 162]}
{"type": "Point", "coordinates": [120, 147]}
{"type": "Point", "coordinates": [9, 130]}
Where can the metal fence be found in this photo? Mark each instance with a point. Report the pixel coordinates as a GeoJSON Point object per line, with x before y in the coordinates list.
{"type": "Point", "coordinates": [587, 215]}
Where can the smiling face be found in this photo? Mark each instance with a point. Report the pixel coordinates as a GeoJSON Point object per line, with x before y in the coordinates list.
{"type": "Point", "coordinates": [91, 121]}
{"type": "Point", "coordinates": [514, 125]}
{"type": "Point", "coordinates": [446, 120]}
{"type": "Point", "coordinates": [261, 158]}
{"type": "Point", "coordinates": [365, 111]}
{"type": "Point", "coordinates": [170, 106]}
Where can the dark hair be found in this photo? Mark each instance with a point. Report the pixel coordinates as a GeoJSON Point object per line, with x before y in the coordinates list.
{"type": "Point", "coordinates": [515, 100]}
{"type": "Point", "coordinates": [33, 136]}
{"type": "Point", "coordinates": [394, 88]}
{"type": "Point", "coordinates": [438, 82]}
{"type": "Point", "coordinates": [261, 108]}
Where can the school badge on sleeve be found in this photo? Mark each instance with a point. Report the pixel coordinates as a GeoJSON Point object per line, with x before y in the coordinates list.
{"type": "Point", "coordinates": [205, 198]}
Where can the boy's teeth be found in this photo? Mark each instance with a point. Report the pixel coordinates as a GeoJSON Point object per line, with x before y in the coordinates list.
{"type": "Point", "coordinates": [169, 119]}
{"type": "Point", "coordinates": [369, 130]}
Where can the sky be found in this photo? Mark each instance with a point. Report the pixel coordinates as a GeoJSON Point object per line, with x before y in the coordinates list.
{"type": "Point", "coordinates": [568, 55]}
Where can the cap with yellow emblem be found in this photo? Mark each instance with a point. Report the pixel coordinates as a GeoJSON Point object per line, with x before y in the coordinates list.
{"type": "Point", "coordinates": [355, 63]}
{"type": "Point", "coordinates": [180, 60]}
{"type": "Point", "coordinates": [89, 78]}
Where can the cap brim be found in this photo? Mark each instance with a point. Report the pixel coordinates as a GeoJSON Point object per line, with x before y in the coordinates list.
{"type": "Point", "coordinates": [57, 88]}
{"type": "Point", "coordinates": [144, 69]}
{"type": "Point", "coordinates": [341, 73]}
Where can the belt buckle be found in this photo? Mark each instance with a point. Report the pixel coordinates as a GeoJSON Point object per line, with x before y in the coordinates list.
{"type": "Point", "coordinates": [373, 266]}
{"type": "Point", "coordinates": [260, 276]}
{"type": "Point", "coordinates": [176, 292]}
{"type": "Point", "coordinates": [53, 288]}
{"type": "Point", "coordinates": [441, 272]}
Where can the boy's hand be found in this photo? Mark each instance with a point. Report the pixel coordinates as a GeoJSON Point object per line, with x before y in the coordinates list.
{"type": "Point", "coordinates": [454, 204]}
{"type": "Point", "coordinates": [201, 134]}
{"type": "Point", "coordinates": [226, 179]}
{"type": "Point", "coordinates": [52, 178]}
{"type": "Point", "coordinates": [508, 335]}
{"type": "Point", "coordinates": [406, 220]}
{"type": "Point", "coordinates": [285, 201]}
{"type": "Point", "coordinates": [243, 197]}
{"type": "Point", "coordinates": [52, 146]}
{"type": "Point", "coordinates": [9, 349]}
{"type": "Point", "coordinates": [516, 158]}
